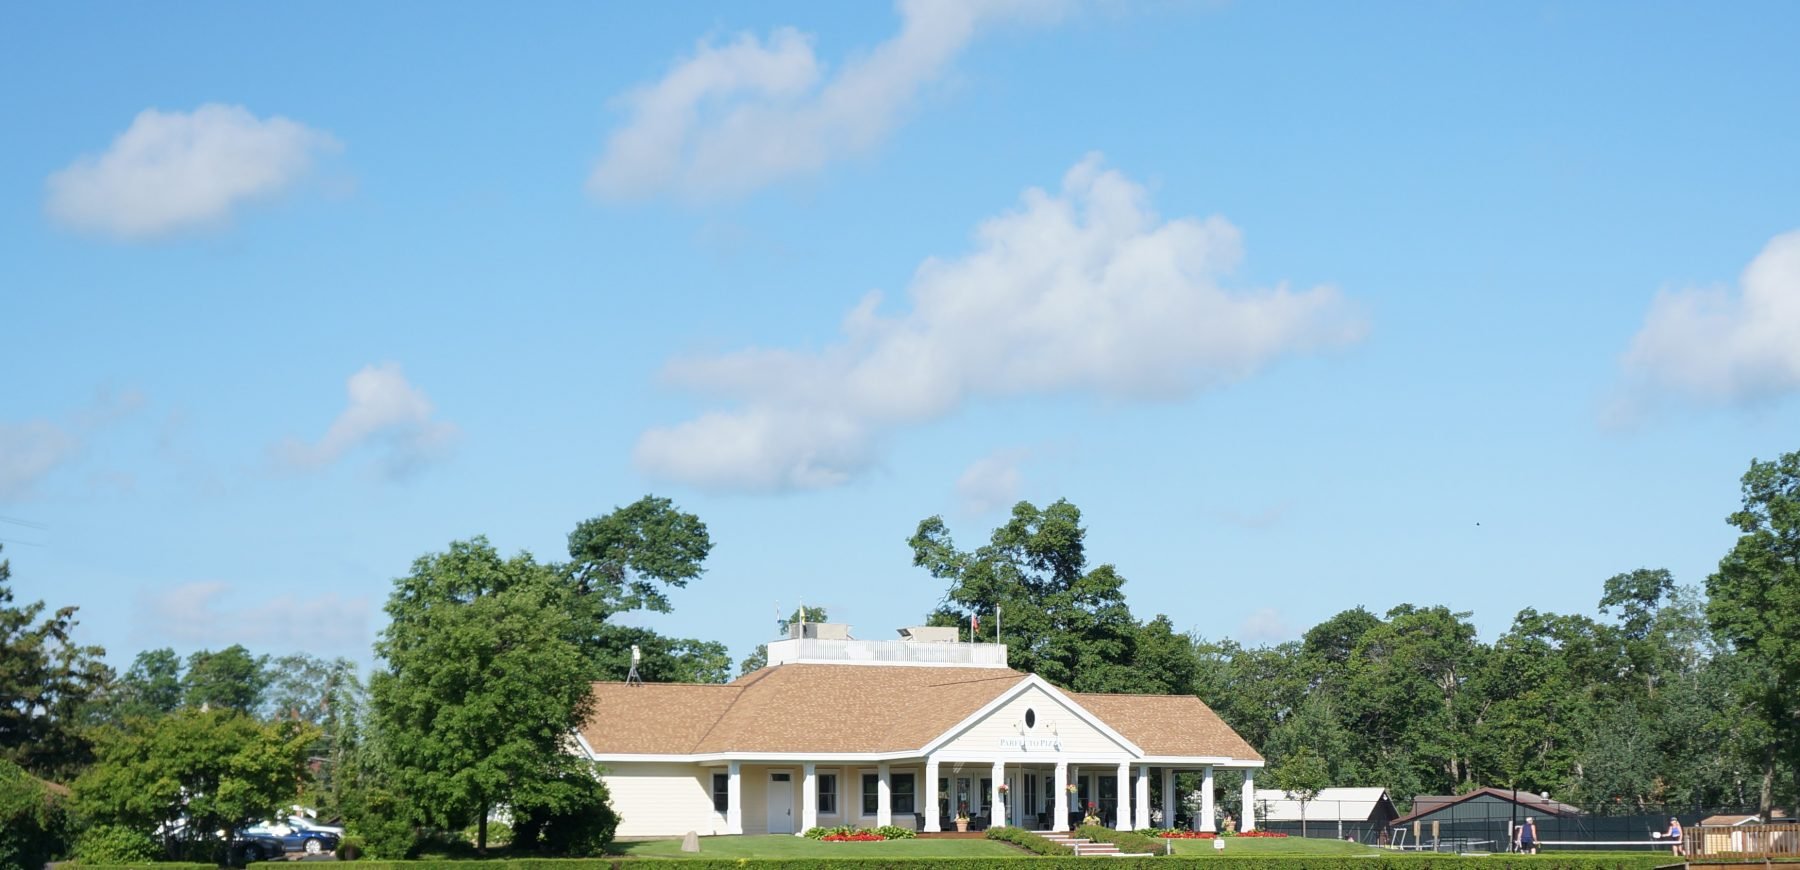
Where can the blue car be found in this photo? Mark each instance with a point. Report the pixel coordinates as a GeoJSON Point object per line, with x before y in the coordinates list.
{"type": "Point", "coordinates": [292, 838]}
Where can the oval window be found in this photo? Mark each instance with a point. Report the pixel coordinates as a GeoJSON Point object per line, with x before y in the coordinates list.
{"type": "Point", "coordinates": [1030, 718]}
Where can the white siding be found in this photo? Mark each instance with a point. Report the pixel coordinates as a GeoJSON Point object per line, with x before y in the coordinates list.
{"type": "Point", "coordinates": [1076, 736]}
{"type": "Point", "coordinates": [659, 800]}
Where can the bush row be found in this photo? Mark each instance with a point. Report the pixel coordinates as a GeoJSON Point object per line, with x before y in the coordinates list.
{"type": "Point", "coordinates": [1028, 841]}
{"type": "Point", "coordinates": [1127, 841]}
{"type": "Point", "coordinates": [1647, 861]}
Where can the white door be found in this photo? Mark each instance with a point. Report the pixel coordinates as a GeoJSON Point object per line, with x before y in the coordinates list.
{"type": "Point", "coordinates": [781, 801]}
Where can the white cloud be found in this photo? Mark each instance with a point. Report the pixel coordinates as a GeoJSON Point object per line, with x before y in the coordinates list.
{"type": "Point", "coordinates": [173, 171]}
{"type": "Point", "coordinates": [209, 614]}
{"type": "Point", "coordinates": [990, 482]}
{"type": "Point", "coordinates": [386, 413]}
{"type": "Point", "coordinates": [29, 451]}
{"type": "Point", "coordinates": [1265, 626]}
{"type": "Point", "coordinates": [1716, 345]}
{"type": "Point", "coordinates": [734, 117]}
{"type": "Point", "coordinates": [1087, 291]}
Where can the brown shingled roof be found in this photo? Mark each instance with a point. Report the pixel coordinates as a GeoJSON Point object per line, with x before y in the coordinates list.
{"type": "Point", "coordinates": [1168, 724]}
{"type": "Point", "coordinates": [762, 711]}
{"type": "Point", "coordinates": [777, 710]}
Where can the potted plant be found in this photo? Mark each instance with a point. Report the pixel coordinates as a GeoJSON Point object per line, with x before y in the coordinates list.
{"type": "Point", "coordinates": [962, 817]}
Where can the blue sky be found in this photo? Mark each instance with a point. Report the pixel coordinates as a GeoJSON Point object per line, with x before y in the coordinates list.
{"type": "Point", "coordinates": [1306, 306]}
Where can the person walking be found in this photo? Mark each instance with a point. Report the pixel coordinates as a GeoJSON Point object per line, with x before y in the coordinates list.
{"type": "Point", "coordinates": [1528, 838]}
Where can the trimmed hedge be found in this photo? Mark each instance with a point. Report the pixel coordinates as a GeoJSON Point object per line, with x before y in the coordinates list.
{"type": "Point", "coordinates": [1564, 861]}
{"type": "Point", "coordinates": [1127, 841]}
{"type": "Point", "coordinates": [1028, 841]}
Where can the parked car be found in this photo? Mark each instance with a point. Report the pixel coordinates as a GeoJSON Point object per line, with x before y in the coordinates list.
{"type": "Point", "coordinates": [311, 824]}
{"type": "Point", "coordinates": [292, 838]}
{"type": "Point", "coordinates": [251, 846]}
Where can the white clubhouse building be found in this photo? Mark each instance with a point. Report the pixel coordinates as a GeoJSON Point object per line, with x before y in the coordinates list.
{"type": "Point", "coordinates": [910, 732]}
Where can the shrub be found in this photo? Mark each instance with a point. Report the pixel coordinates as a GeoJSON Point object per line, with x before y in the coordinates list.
{"type": "Point", "coordinates": [1127, 841]}
{"type": "Point", "coordinates": [1028, 841]}
{"type": "Point", "coordinates": [380, 822]}
{"type": "Point", "coordinates": [895, 832]}
{"type": "Point", "coordinates": [351, 848]}
{"type": "Point", "coordinates": [115, 844]}
{"type": "Point", "coordinates": [33, 822]}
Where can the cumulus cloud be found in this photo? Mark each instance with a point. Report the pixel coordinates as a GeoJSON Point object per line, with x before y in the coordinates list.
{"type": "Point", "coordinates": [173, 171]}
{"type": "Point", "coordinates": [1718, 345]}
{"type": "Point", "coordinates": [736, 116]}
{"type": "Point", "coordinates": [1088, 290]}
{"type": "Point", "coordinates": [387, 414]}
{"type": "Point", "coordinates": [990, 482]}
{"type": "Point", "coordinates": [208, 614]}
{"type": "Point", "coordinates": [29, 451]}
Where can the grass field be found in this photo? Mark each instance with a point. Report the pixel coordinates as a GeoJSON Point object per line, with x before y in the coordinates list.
{"type": "Point", "coordinates": [1272, 847]}
{"type": "Point", "coordinates": [784, 846]}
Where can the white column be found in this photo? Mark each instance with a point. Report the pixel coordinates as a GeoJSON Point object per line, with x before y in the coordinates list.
{"type": "Point", "coordinates": [884, 798]}
{"type": "Point", "coordinates": [932, 822]}
{"type": "Point", "coordinates": [1169, 802]}
{"type": "Point", "coordinates": [1141, 800]}
{"type": "Point", "coordinates": [1059, 820]}
{"type": "Point", "coordinates": [734, 799]}
{"type": "Point", "coordinates": [809, 798]}
{"type": "Point", "coordinates": [1248, 822]}
{"type": "Point", "coordinates": [997, 801]}
{"type": "Point", "coordinates": [1208, 816]}
{"type": "Point", "coordinates": [1122, 819]}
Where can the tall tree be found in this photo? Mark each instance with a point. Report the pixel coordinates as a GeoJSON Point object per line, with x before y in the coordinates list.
{"type": "Point", "coordinates": [231, 678]}
{"type": "Point", "coordinates": [484, 679]}
{"type": "Point", "coordinates": [46, 679]}
{"type": "Point", "coordinates": [1064, 621]}
{"type": "Point", "coordinates": [627, 560]}
{"type": "Point", "coordinates": [1755, 606]}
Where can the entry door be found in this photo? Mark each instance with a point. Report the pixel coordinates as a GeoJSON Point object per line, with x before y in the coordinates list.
{"type": "Point", "coordinates": [781, 802]}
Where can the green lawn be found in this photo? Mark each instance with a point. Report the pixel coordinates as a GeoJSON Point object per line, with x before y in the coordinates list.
{"type": "Point", "coordinates": [785, 846]}
{"type": "Point", "coordinates": [1256, 847]}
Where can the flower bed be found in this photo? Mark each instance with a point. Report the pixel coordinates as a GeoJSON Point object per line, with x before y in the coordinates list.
{"type": "Point", "coordinates": [853, 834]}
{"type": "Point", "coordinates": [1178, 834]}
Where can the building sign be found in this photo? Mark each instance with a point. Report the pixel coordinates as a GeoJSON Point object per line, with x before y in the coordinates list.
{"type": "Point", "coordinates": [1031, 744]}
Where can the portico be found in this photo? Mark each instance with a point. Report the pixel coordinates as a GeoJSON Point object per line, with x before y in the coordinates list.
{"type": "Point", "coordinates": [906, 733]}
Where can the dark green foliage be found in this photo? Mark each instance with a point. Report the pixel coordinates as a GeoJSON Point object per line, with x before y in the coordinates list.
{"type": "Point", "coordinates": [210, 771]}
{"type": "Point", "coordinates": [579, 823]}
{"type": "Point", "coordinates": [46, 680]}
{"type": "Point", "coordinates": [230, 678]}
{"type": "Point", "coordinates": [381, 825]}
{"type": "Point", "coordinates": [483, 681]}
{"type": "Point", "coordinates": [1061, 620]}
{"type": "Point", "coordinates": [1026, 862]}
{"type": "Point", "coordinates": [1754, 608]}
{"type": "Point", "coordinates": [115, 844]}
{"type": "Point", "coordinates": [1130, 842]}
{"type": "Point", "coordinates": [623, 561]}
{"type": "Point", "coordinates": [34, 823]}
{"type": "Point", "coordinates": [1028, 841]}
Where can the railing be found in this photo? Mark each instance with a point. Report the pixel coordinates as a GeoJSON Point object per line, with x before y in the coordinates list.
{"type": "Point", "coordinates": [1750, 841]}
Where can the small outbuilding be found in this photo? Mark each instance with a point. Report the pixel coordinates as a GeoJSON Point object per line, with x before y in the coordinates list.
{"type": "Point", "coordinates": [1362, 813]}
